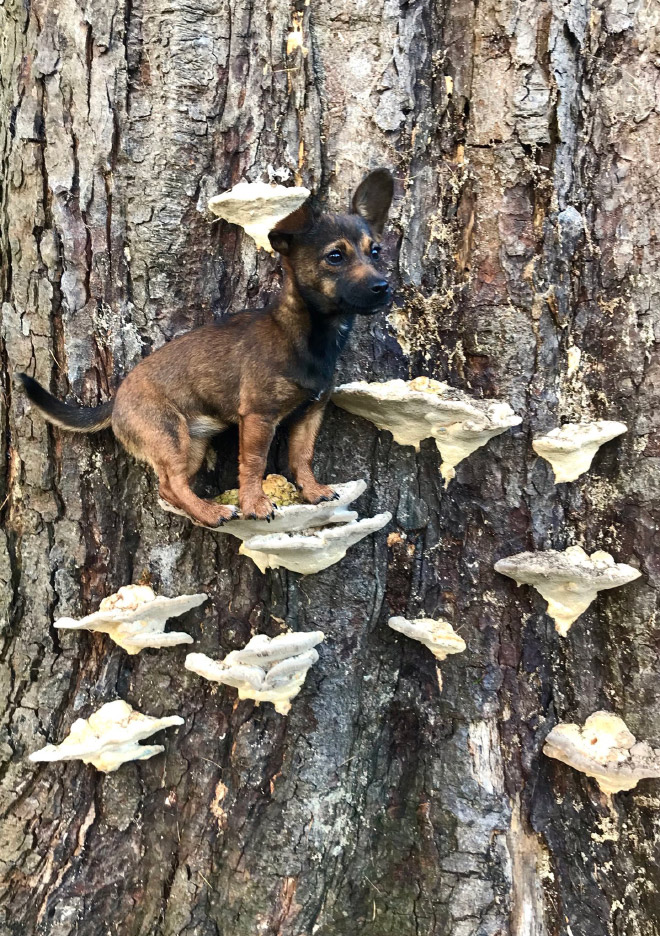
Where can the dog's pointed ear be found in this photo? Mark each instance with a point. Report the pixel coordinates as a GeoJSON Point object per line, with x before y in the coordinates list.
{"type": "Point", "coordinates": [373, 198]}
{"type": "Point", "coordinates": [282, 235]}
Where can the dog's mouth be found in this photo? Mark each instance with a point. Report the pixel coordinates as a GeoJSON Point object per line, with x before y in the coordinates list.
{"type": "Point", "coordinates": [368, 308]}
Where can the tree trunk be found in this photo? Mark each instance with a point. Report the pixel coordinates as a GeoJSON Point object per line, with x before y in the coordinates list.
{"type": "Point", "coordinates": [524, 137]}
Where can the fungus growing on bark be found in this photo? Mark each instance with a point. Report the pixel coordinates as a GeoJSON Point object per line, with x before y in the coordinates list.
{"type": "Point", "coordinates": [312, 549]}
{"type": "Point", "coordinates": [257, 207]}
{"type": "Point", "coordinates": [265, 670]}
{"type": "Point", "coordinates": [570, 449]}
{"type": "Point", "coordinates": [424, 408]}
{"type": "Point", "coordinates": [135, 618]}
{"type": "Point", "coordinates": [439, 636]}
{"type": "Point", "coordinates": [109, 738]}
{"type": "Point", "coordinates": [291, 514]}
{"type": "Point", "coordinates": [568, 580]}
{"type": "Point", "coordinates": [606, 750]}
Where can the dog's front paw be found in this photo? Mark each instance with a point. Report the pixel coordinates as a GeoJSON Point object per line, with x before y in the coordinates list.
{"type": "Point", "coordinates": [257, 508]}
{"type": "Point", "coordinates": [317, 493]}
{"type": "Point", "coordinates": [220, 514]}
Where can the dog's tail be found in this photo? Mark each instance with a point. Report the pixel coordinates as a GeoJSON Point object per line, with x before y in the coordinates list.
{"type": "Point", "coordinates": [73, 418]}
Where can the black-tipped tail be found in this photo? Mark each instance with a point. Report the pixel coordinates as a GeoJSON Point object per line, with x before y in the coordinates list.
{"type": "Point", "coordinates": [73, 418]}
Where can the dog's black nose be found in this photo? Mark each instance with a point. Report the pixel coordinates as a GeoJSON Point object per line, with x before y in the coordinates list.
{"type": "Point", "coordinates": [380, 288]}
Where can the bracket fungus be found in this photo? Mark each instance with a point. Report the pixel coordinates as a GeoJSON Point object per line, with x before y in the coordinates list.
{"type": "Point", "coordinates": [292, 513]}
{"type": "Point", "coordinates": [301, 537]}
{"type": "Point", "coordinates": [568, 580]}
{"type": "Point", "coordinates": [425, 408]}
{"type": "Point", "coordinates": [570, 449]}
{"type": "Point", "coordinates": [606, 750]}
{"type": "Point", "coordinates": [109, 738]}
{"type": "Point", "coordinates": [310, 550]}
{"type": "Point", "coordinates": [439, 636]}
{"type": "Point", "coordinates": [258, 206]}
{"type": "Point", "coordinates": [135, 618]}
{"type": "Point", "coordinates": [265, 670]}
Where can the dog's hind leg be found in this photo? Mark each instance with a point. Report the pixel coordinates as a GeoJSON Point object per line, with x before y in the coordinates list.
{"type": "Point", "coordinates": [158, 434]}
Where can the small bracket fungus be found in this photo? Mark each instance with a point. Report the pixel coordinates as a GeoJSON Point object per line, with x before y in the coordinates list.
{"type": "Point", "coordinates": [569, 580]}
{"type": "Point", "coordinates": [606, 750]}
{"type": "Point", "coordinates": [292, 513]}
{"type": "Point", "coordinates": [571, 448]}
{"type": "Point", "coordinates": [311, 550]}
{"type": "Point", "coordinates": [424, 408]}
{"type": "Point", "coordinates": [135, 618]}
{"type": "Point", "coordinates": [257, 207]}
{"type": "Point", "coordinates": [265, 670]}
{"type": "Point", "coordinates": [439, 636]}
{"type": "Point", "coordinates": [109, 738]}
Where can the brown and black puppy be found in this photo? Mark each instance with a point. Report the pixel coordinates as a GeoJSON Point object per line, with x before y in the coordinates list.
{"type": "Point", "coordinates": [254, 368]}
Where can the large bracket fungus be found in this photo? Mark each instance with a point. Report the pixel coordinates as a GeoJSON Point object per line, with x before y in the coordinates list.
{"type": "Point", "coordinates": [310, 550]}
{"type": "Point", "coordinates": [301, 537]}
{"type": "Point", "coordinates": [257, 207]}
{"type": "Point", "coordinates": [568, 580]}
{"type": "Point", "coordinates": [439, 636]}
{"type": "Point", "coordinates": [424, 408]}
{"type": "Point", "coordinates": [109, 738]}
{"type": "Point", "coordinates": [292, 513]}
{"type": "Point", "coordinates": [571, 448]}
{"type": "Point", "coordinates": [266, 669]}
{"type": "Point", "coordinates": [606, 750]}
{"type": "Point", "coordinates": [135, 618]}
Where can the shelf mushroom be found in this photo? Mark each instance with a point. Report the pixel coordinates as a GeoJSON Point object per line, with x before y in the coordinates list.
{"type": "Point", "coordinates": [604, 749]}
{"type": "Point", "coordinates": [258, 206]}
{"type": "Point", "coordinates": [425, 408]}
{"type": "Point", "coordinates": [310, 550]}
{"type": "Point", "coordinates": [569, 580]}
{"type": "Point", "coordinates": [439, 636]}
{"type": "Point", "coordinates": [135, 618]}
{"type": "Point", "coordinates": [109, 738]}
{"type": "Point", "coordinates": [570, 449]}
{"type": "Point", "coordinates": [265, 670]}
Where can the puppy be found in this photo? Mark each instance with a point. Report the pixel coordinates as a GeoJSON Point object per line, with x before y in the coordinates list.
{"type": "Point", "coordinates": [254, 368]}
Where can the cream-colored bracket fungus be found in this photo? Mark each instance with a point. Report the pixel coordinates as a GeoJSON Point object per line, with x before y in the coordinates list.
{"type": "Point", "coordinates": [313, 549]}
{"type": "Point", "coordinates": [424, 408]}
{"type": "Point", "coordinates": [265, 670]}
{"type": "Point", "coordinates": [606, 750]}
{"type": "Point", "coordinates": [571, 448]}
{"type": "Point", "coordinates": [257, 207]}
{"type": "Point", "coordinates": [292, 514]}
{"type": "Point", "coordinates": [109, 738]}
{"type": "Point", "coordinates": [135, 618]}
{"type": "Point", "coordinates": [569, 580]}
{"type": "Point", "coordinates": [439, 636]}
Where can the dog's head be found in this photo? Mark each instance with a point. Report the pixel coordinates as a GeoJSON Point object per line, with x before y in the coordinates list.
{"type": "Point", "coordinates": [334, 259]}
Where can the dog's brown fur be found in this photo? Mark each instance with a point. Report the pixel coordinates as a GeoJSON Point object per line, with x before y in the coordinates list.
{"type": "Point", "coordinates": [254, 368]}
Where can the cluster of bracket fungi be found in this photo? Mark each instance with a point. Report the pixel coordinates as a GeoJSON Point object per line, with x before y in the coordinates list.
{"type": "Point", "coordinates": [308, 538]}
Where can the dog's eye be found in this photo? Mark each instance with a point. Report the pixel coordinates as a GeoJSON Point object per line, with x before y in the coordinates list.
{"type": "Point", "coordinates": [334, 257]}
{"type": "Point", "coordinates": [375, 251]}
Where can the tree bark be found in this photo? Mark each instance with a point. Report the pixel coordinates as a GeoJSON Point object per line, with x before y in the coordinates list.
{"type": "Point", "coordinates": [524, 137]}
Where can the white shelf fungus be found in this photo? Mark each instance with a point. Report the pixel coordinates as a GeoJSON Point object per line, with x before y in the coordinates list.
{"type": "Point", "coordinates": [135, 618]}
{"type": "Point", "coordinates": [571, 448]}
{"type": "Point", "coordinates": [291, 517]}
{"type": "Point", "coordinates": [605, 750]}
{"type": "Point", "coordinates": [265, 670]}
{"type": "Point", "coordinates": [569, 580]}
{"type": "Point", "coordinates": [109, 738]}
{"type": "Point", "coordinates": [257, 207]}
{"type": "Point", "coordinates": [439, 636]}
{"type": "Point", "coordinates": [424, 408]}
{"type": "Point", "coordinates": [311, 550]}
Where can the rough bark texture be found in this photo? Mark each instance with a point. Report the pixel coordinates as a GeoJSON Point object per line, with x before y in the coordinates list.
{"type": "Point", "coordinates": [524, 136]}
